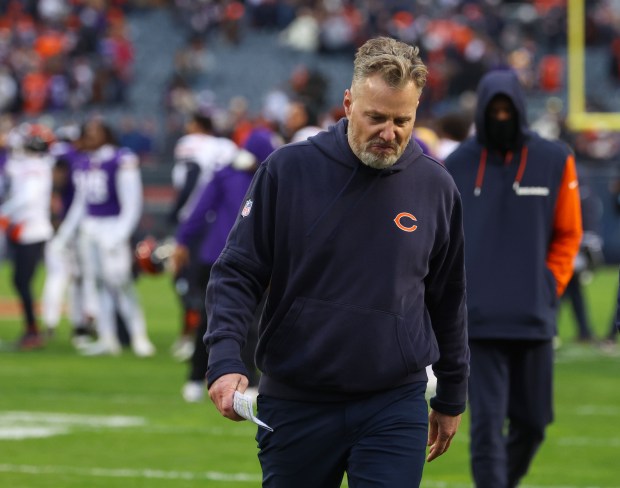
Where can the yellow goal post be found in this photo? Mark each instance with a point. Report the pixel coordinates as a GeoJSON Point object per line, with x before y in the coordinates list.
{"type": "Point", "coordinates": [578, 118]}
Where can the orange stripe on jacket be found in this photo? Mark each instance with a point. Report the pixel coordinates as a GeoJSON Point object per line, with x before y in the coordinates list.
{"type": "Point", "coordinates": [567, 228]}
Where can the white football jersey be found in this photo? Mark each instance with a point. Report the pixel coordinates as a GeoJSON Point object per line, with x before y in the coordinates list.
{"type": "Point", "coordinates": [210, 153]}
{"type": "Point", "coordinates": [29, 195]}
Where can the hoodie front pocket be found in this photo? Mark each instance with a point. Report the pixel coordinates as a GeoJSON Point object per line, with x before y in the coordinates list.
{"type": "Point", "coordinates": [336, 346]}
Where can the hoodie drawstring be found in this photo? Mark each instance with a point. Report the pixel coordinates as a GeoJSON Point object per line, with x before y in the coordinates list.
{"type": "Point", "coordinates": [521, 169]}
{"type": "Point", "coordinates": [482, 168]}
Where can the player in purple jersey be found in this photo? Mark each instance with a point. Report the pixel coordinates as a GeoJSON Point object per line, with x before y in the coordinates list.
{"type": "Point", "coordinates": [108, 206]}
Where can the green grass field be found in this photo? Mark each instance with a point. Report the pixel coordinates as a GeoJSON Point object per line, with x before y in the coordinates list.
{"type": "Point", "coordinates": [121, 422]}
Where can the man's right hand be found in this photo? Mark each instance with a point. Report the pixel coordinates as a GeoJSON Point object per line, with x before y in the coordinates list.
{"type": "Point", "coordinates": [179, 258]}
{"type": "Point", "coordinates": [222, 391]}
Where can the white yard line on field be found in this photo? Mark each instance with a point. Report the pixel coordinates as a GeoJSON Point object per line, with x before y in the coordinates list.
{"type": "Point", "coordinates": [19, 433]}
{"type": "Point", "coordinates": [56, 418]}
{"type": "Point", "coordinates": [17, 425]}
{"type": "Point", "coordinates": [598, 410]}
{"type": "Point", "coordinates": [129, 473]}
{"type": "Point", "coordinates": [588, 441]}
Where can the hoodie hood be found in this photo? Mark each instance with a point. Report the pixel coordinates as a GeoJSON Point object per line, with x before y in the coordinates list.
{"type": "Point", "coordinates": [334, 144]}
{"type": "Point", "coordinates": [500, 82]}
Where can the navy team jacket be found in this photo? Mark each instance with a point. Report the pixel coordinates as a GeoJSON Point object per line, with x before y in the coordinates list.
{"type": "Point", "coordinates": [365, 270]}
{"type": "Point", "coordinates": [522, 222]}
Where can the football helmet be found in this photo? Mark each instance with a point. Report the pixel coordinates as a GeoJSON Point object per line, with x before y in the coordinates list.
{"type": "Point", "coordinates": [36, 137]}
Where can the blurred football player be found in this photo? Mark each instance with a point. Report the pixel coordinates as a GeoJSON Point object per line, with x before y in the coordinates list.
{"type": "Point", "coordinates": [63, 276]}
{"type": "Point", "coordinates": [25, 216]}
{"type": "Point", "coordinates": [108, 203]}
{"type": "Point", "coordinates": [197, 155]}
{"type": "Point", "coordinates": [221, 199]}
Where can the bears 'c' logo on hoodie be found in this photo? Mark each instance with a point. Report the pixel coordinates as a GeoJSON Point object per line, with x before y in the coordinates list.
{"type": "Point", "coordinates": [404, 222]}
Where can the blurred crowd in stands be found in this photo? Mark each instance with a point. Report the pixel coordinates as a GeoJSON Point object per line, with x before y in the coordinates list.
{"type": "Point", "coordinates": [460, 41]}
{"type": "Point", "coordinates": [60, 57]}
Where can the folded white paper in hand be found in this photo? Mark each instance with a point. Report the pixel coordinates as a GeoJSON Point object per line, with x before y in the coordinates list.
{"type": "Point", "coordinates": [244, 406]}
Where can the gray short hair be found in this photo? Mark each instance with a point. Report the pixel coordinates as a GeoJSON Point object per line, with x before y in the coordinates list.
{"type": "Point", "coordinates": [398, 63]}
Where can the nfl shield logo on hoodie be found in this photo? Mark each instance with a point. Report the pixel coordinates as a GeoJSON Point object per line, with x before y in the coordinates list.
{"type": "Point", "coordinates": [247, 208]}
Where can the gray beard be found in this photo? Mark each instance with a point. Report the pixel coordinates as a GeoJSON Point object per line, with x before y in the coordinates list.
{"type": "Point", "coordinates": [369, 158]}
{"type": "Point", "coordinates": [375, 161]}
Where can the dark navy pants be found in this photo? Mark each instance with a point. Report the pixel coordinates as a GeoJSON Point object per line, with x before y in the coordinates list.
{"type": "Point", "coordinates": [26, 258]}
{"type": "Point", "coordinates": [379, 441]}
{"type": "Point", "coordinates": [511, 403]}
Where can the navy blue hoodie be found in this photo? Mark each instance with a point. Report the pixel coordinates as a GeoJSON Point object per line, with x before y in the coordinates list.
{"type": "Point", "coordinates": [365, 270]}
{"type": "Point", "coordinates": [522, 223]}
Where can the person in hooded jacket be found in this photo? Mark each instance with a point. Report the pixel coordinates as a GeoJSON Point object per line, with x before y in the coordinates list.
{"type": "Point", "coordinates": [357, 236]}
{"type": "Point", "coordinates": [522, 223]}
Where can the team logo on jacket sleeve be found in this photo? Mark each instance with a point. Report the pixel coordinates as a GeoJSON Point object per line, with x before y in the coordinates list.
{"type": "Point", "coordinates": [247, 208]}
{"type": "Point", "coordinates": [405, 221]}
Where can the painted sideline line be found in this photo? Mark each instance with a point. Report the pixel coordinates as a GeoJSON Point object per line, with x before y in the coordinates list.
{"type": "Point", "coordinates": [61, 418]}
{"type": "Point", "coordinates": [129, 473]}
{"type": "Point", "coordinates": [26, 424]}
{"type": "Point", "coordinates": [588, 441]}
{"type": "Point", "coordinates": [188, 475]}
{"type": "Point", "coordinates": [598, 410]}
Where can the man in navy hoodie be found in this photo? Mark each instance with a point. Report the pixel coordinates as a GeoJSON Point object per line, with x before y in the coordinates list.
{"type": "Point", "coordinates": [358, 237]}
{"type": "Point", "coordinates": [522, 223]}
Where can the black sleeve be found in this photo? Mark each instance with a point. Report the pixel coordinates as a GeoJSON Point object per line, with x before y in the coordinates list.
{"type": "Point", "coordinates": [193, 173]}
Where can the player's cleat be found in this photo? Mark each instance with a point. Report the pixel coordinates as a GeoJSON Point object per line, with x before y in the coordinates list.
{"type": "Point", "coordinates": [142, 347]}
{"type": "Point", "coordinates": [100, 348]}
{"type": "Point", "coordinates": [193, 391]}
{"type": "Point", "coordinates": [81, 341]}
{"type": "Point", "coordinates": [83, 336]}
{"type": "Point", "coordinates": [30, 341]}
{"type": "Point", "coordinates": [183, 348]}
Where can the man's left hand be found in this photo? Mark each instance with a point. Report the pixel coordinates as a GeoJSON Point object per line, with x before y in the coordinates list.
{"type": "Point", "coordinates": [441, 429]}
